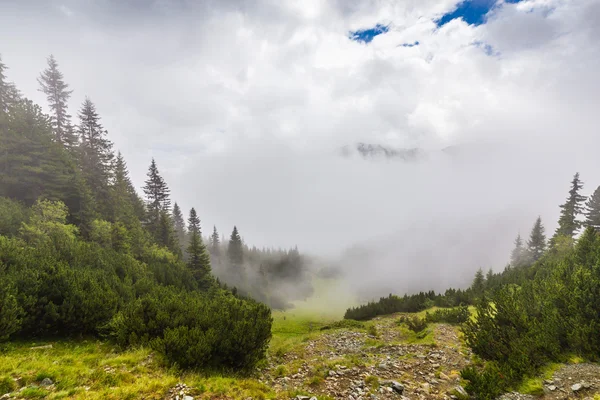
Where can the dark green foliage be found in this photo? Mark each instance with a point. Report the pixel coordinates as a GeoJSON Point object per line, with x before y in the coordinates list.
{"type": "Point", "coordinates": [57, 93]}
{"type": "Point", "coordinates": [449, 315]}
{"type": "Point", "coordinates": [488, 384]}
{"type": "Point", "coordinates": [198, 257]}
{"type": "Point", "coordinates": [478, 284]}
{"type": "Point", "coordinates": [568, 224]}
{"type": "Point", "coordinates": [536, 245]}
{"type": "Point", "coordinates": [413, 303]}
{"type": "Point", "coordinates": [592, 210]}
{"type": "Point", "coordinates": [158, 205]}
{"type": "Point", "coordinates": [179, 226]}
{"type": "Point", "coordinates": [8, 92]}
{"type": "Point", "coordinates": [12, 215]}
{"type": "Point", "coordinates": [96, 157]}
{"type": "Point", "coordinates": [197, 330]}
{"type": "Point", "coordinates": [235, 250]}
{"type": "Point", "coordinates": [522, 327]}
{"type": "Point", "coordinates": [415, 323]}
{"type": "Point", "coordinates": [10, 312]}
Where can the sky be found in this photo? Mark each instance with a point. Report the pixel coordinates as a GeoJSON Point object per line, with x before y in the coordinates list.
{"type": "Point", "coordinates": [245, 104]}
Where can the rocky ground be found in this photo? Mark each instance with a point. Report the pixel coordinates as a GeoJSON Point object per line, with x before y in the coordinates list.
{"type": "Point", "coordinates": [571, 381]}
{"type": "Point", "coordinates": [352, 364]}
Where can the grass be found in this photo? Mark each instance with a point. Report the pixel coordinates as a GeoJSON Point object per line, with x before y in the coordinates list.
{"type": "Point", "coordinates": [90, 369]}
{"type": "Point", "coordinates": [535, 386]}
{"type": "Point", "coordinates": [93, 369]}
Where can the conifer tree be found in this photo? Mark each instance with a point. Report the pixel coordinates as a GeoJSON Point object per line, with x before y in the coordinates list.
{"type": "Point", "coordinates": [517, 256]}
{"type": "Point", "coordinates": [157, 200]}
{"type": "Point", "coordinates": [536, 245]}
{"type": "Point", "coordinates": [96, 156]}
{"type": "Point", "coordinates": [126, 202]}
{"type": "Point", "coordinates": [568, 225]}
{"type": "Point", "coordinates": [198, 257]}
{"type": "Point", "coordinates": [57, 93]}
{"type": "Point", "coordinates": [167, 236]}
{"type": "Point", "coordinates": [215, 243]}
{"type": "Point", "coordinates": [592, 210]}
{"type": "Point", "coordinates": [235, 250]}
{"type": "Point", "coordinates": [478, 282]}
{"type": "Point", "coordinates": [8, 92]}
{"type": "Point", "coordinates": [179, 224]}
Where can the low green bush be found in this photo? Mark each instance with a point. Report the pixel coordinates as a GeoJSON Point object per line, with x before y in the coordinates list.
{"type": "Point", "coordinates": [456, 315]}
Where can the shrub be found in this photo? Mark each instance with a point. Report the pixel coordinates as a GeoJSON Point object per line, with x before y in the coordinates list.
{"type": "Point", "coordinates": [10, 312]}
{"type": "Point", "coordinates": [450, 315]}
{"type": "Point", "coordinates": [416, 324]}
{"type": "Point", "coordinates": [191, 329]}
{"type": "Point", "coordinates": [372, 330]}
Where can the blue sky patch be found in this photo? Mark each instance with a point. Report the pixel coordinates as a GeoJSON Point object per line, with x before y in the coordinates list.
{"type": "Point", "coordinates": [367, 35]}
{"type": "Point", "coordinates": [416, 43]}
{"type": "Point", "coordinates": [473, 12]}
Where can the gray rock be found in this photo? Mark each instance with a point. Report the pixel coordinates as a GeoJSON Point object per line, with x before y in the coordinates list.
{"type": "Point", "coordinates": [47, 382]}
{"type": "Point", "coordinates": [577, 387]}
{"type": "Point", "coordinates": [381, 366]}
{"type": "Point", "coordinates": [5, 396]}
{"type": "Point", "coordinates": [299, 397]}
{"type": "Point", "coordinates": [397, 387]}
{"type": "Point", "coordinates": [461, 391]}
{"type": "Point", "coordinates": [552, 388]}
{"type": "Point", "coordinates": [188, 398]}
{"type": "Point", "coordinates": [313, 398]}
{"type": "Point", "coordinates": [332, 373]}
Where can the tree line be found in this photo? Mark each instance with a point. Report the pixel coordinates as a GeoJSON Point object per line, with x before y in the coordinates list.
{"type": "Point", "coordinates": [543, 307]}
{"type": "Point", "coordinates": [81, 252]}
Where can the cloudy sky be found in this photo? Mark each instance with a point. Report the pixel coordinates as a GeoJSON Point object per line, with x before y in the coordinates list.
{"type": "Point", "coordinates": [244, 105]}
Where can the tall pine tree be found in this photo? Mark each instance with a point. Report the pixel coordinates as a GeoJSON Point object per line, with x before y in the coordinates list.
{"type": "Point", "coordinates": [568, 224]}
{"type": "Point", "coordinates": [57, 93]}
{"type": "Point", "coordinates": [536, 245]}
{"type": "Point", "coordinates": [96, 157]}
{"type": "Point", "coordinates": [8, 92]}
{"type": "Point", "coordinates": [158, 204]}
{"type": "Point", "coordinates": [126, 202]}
{"type": "Point", "coordinates": [592, 210]}
{"type": "Point", "coordinates": [215, 243]}
{"type": "Point", "coordinates": [198, 257]}
{"type": "Point", "coordinates": [235, 250]}
{"type": "Point", "coordinates": [179, 224]}
{"type": "Point", "coordinates": [517, 256]}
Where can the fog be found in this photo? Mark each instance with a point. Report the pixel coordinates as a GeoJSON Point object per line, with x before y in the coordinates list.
{"type": "Point", "coordinates": [245, 109]}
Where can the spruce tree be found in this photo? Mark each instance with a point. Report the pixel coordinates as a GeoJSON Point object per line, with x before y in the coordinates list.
{"type": "Point", "coordinates": [568, 225]}
{"type": "Point", "coordinates": [179, 224]}
{"type": "Point", "coordinates": [478, 284]}
{"type": "Point", "coordinates": [125, 200]}
{"type": "Point", "coordinates": [8, 92]}
{"type": "Point", "coordinates": [198, 257]}
{"type": "Point", "coordinates": [215, 243]}
{"type": "Point", "coordinates": [536, 245]}
{"type": "Point", "coordinates": [517, 256]}
{"type": "Point", "coordinates": [57, 93]}
{"type": "Point", "coordinates": [157, 200]}
{"type": "Point", "coordinates": [235, 250]}
{"type": "Point", "coordinates": [592, 210]}
{"type": "Point", "coordinates": [96, 156]}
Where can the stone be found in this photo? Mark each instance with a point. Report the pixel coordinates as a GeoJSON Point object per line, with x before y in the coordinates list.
{"type": "Point", "coordinates": [47, 382]}
{"type": "Point", "coordinates": [313, 398]}
{"type": "Point", "coordinates": [444, 377]}
{"type": "Point", "coordinates": [397, 387]}
{"type": "Point", "coordinates": [5, 396]}
{"type": "Point", "coordinates": [577, 387]}
{"type": "Point", "coordinates": [461, 391]}
{"type": "Point", "coordinates": [332, 373]}
{"type": "Point", "coordinates": [299, 397]}
{"type": "Point", "coordinates": [552, 388]}
{"type": "Point", "coordinates": [188, 398]}
{"type": "Point", "coordinates": [381, 366]}
{"type": "Point", "coordinates": [426, 387]}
